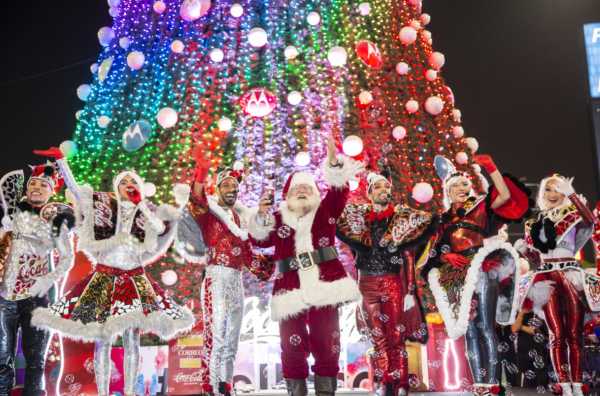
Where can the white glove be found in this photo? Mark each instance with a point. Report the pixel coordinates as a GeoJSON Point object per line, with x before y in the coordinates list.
{"type": "Point", "coordinates": [156, 224]}
{"type": "Point", "coordinates": [181, 192]}
{"type": "Point", "coordinates": [41, 286]}
{"type": "Point", "coordinates": [409, 302]}
{"type": "Point", "coordinates": [566, 187]}
{"type": "Point", "coordinates": [6, 223]}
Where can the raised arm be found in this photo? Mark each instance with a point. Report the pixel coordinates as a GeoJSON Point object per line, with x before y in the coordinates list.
{"type": "Point", "coordinates": [566, 187]}
{"type": "Point", "coordinates": [486, 162]}
{"type": "Point", "coordinates": [65, 170]}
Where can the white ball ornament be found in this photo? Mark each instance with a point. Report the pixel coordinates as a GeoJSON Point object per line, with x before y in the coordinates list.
{"type": "Point", "coordinates": [135, 60]}
{"type": "Point", "coordinates": [113, 12]}
{"type": "Point", "coordinates": [458, 132]}
{"type": "Point", "coordinates": [294, 98]}
{"type": "Point", "coordinates": [94, 68]}
{"type": "Point", "coordinates": [431, 75]}
{"type": "Point", "coordinates": [257, 37]}
{"type": "Point", "coordinates": [78, 114]}
{"type": "Point", "coordinates": [412, 106]}
{"type": "Point", "coordinates": [425, 19]}
{"type": "Point", "coordinates": [167, 117]}
{"type": "Point", "coordinates": [437, 60]}
{"type": "Point", "coordinates": [216, 55]}
{"type": "Point", "coordinates": [103, 121]}
{"type": "Point", "coordinates": [83, 92]}
{"type": "Point", "coordinates": [290, 52]}
{"type": "Point", "coordinates": [352, 146]}
{"type": "Point", "coordinates": [364, 9]}
{"type": "Point", "coordinates": [434, 105]}
{"type": "Point", "coordinates": [427, 36]}
{"type": "Point", "coordinates": [177, 46]}
{"type": "Point", "coordinates": [105, 36]}
{"type": "Point", "coordinates": [159, 7]}
{"type": "Point", "coordinates": [422, 192]}
{"type": "Point", "coordinates": [457, 115]}
{"type": "Point", "coordinates": [224, 124]}
{"type": "Point", "coordinates": [365, 97]}
{"type": "Point", "coordinates": [402, 68]}
{"type": "Point", "coordinates": [169, 277]}
{"type": "Point", "coordinates": [113, 3]}
{"type": "Point", "coordinates": [408, 35]}
{"type": "Point", "coordinates": [337, 56]}
{"type": "Point", "coordinates": [313, 18]}
{"type": "Point", "coordinates": [124, 42]}
{"type": "Point", "coordinates": [302, 158]}
{"type": "Point", "coordinates": [353, 184]}
{"type": "Point", "coordinates": [236, 10]}
{"type": "Point", "coordinates": [149, 189]}
{"type": "Point", "coordinates": [399, 133]}
{"type": "Point", "coordinates": [472, 144]}
{"type": "Point", "coordinates": [461, 158]}
{"type": "Point", "coordinates": [193, 9]}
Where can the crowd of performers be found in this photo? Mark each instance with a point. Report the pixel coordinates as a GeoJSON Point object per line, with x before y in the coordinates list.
{"type": "Point", "coordinates": [470, 268]}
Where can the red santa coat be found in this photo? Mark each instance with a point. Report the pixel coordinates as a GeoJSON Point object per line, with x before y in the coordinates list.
{"type": "Point", "coordinates": [325, 284]}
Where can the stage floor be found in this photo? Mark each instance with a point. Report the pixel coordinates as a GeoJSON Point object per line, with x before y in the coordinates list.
{"type": "Point", "coordinates": [346, 392]}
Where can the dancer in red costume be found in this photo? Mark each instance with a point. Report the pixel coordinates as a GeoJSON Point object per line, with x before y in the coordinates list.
{"type": "Point", "coordinates": [311, 282]}
{"type": "Point", "coordinates": [382, 236]}
{"type": "Point", "coordinates": [559, 287]}
{"type": "Point", "coordinates": [474, 271]}
{"type": "Point", "coordinates": [221, 219]}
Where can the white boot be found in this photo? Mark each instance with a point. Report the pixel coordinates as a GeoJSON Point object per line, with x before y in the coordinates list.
{"type": "Point", "coordinates": [577, 391]}
{"type": "Point", "coordinates": [566, 388]}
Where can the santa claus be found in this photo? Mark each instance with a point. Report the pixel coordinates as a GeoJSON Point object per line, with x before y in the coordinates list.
{"type": "Point", "coordinates": [311, 283]}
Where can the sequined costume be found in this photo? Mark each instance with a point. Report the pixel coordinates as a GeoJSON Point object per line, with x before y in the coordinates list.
{"type": "Point", "coordinates": [311, 281]}
{"type": "Point", "coordinates": [222, 294]}
{"type": "Point", "coordinates": [383, 243]}
{"type": "Point", "coordinates": [117, 298]}
{"type": "Point", "coordinates": [33, 240]}
{"type": "Point", "coordinates": [472, 298]}
{"type": "Point", "coordinates": [559, 290]}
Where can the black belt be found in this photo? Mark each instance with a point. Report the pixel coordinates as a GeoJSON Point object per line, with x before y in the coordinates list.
{"type": "Point", "coordinates": [306, 261]}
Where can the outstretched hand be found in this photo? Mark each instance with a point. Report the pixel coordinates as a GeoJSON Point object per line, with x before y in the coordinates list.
{"type": "Point", "coordinates": [331, 151]}
{"type": "Point", "coordinates": [486, 162]}
{"type": "Point", "coordinates": [52, 152]}
{"type": "Point", "coordinates": [566, 187]}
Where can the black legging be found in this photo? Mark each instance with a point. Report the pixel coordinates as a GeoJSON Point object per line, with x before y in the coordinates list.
{"type": "Point", "coordinates": [481, 337]}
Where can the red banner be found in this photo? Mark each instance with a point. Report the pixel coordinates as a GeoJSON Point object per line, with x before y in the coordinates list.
{"type": "Point", "coordinates": [185, 364]}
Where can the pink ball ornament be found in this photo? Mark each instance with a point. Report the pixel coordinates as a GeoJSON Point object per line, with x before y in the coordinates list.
{"type": "Point", "coordinates": [177, 46]}
{"type": "Point", "coordinates": [461, 158]}
{"type": "Point", "coordinates": [457, 115]}
{"type": "Point", "coordinates": [408, 35]}
{"type": "Point", "coordinates": [124, 42]}
{"type": "Point", "coordinates": [159, 7]}
{"type": "Point", "coordinates": [167, 117]}
{"type": "Point", "coordinates": [83, 92]}
{"type": "Point", "coordinates": [105, 36]}
{"type": "Point", "coordinates": [352, 146]}
{"type": "Point", "coordinates": [472, 144]}
{"type": "Point", "coordinates": [431, 75]}
{"type": "Point", "coordinates": [113, 12]}
{"type": "Point", "coordinates": [135, 60]}
{"type": "Point", "coordinates": [169, 277]}
{"type": "Point", "coordinates": [193, 9]}
{"type": "Point", "coordinates": [422, 192]}
{"type": "Point", "coordinates": [425, 19]}
{"type": "Point", "coordinates": [103, 121]}
{"type": "Point", "coordinates": [437, 60]}
{"type": "Point", "coordinates": [412, 106]}
{"type": "Point", "coordinates": [427, 36]}
{"type": "Point", "coordinates": [399, 133]}
{"type": "Point", "coordinates": [402, 68]}
{"type": "Point", "coordinates": [94, 68]}
{"type": "Point", "coordinates": [365, 97]}
{"type": "Point", "coordinates": [434, 105]}
{"type": "Point", "coordinates": [458, 131]}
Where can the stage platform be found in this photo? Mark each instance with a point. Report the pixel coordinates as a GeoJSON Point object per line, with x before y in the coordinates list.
{"type": "Point", "coordinates": [347, 392]}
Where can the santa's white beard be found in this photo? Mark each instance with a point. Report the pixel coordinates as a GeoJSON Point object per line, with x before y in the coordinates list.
{"type": "Point", "coordinates": [301, 207]}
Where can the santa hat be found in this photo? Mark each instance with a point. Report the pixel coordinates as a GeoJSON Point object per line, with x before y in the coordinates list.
{"type": "Point", "coordinates": [373, 178]}
{"type": "Point", "coordinates": [236, 173]}
{"type": "Point", "coordinates": [298, 178]}
{"type": "Point", "coordinates": [48, 173]}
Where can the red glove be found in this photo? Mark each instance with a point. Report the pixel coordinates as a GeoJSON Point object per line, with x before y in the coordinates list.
{"type": "Point", "coordinates": [202, 166]}
{"type": "Point", "coordinates": [456, 260]}
{"type": "Point", "coordinates": [486, 162]}
{"type": "Point", "coordinates": [134, 196]}
{"type": "Point", "coordinates": [52, 152]}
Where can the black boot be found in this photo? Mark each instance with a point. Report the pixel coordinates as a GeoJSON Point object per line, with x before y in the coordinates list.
{"type": "Point", "coordinates": [325, 386]}
{"type": "Point", "coordinates": [296, 387]}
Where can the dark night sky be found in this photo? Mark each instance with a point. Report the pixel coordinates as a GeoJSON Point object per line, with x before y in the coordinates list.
{"type": "Point", "coordinates": [517, 69]}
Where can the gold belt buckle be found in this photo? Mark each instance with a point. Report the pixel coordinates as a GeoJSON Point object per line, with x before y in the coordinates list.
{"type": "Point", "coordinates": [305, 261]}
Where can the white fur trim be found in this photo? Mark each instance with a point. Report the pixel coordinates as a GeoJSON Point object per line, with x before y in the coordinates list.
{"type": "Point", "coordinates": [41, 286]}
{"type": "Point", "coordinates": [303, 178]}
{"type": "Point", "coordinates": [456, 325]}
{"type": "Point", "coordinates": [301, 225]}
{"type": "Point", "coordinates": [338, 177]}
{"type": "Point", "coordinates": [156, 322]}
{"type": "Point", "coordinates": [167, 212]}
{"type": "Point", "coordinates": [260, 229]}
{"type": "Point", "coordinates": [539, 294]}
{"type": "Point", "coordinates": [181, 192]}
{"type": "Point", "coordinates": [409, 302]}
{"type": "Point", "coordinates": [313, 293]}
{"type": "Point", "coordinates": [225, 218]}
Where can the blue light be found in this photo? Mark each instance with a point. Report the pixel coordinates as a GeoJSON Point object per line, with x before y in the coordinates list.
{"type": "Point", "coordinates": [592, 46]}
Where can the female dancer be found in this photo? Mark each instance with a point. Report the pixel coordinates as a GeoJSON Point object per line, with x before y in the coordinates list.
{"type": "Point", "coordinates": [120, 232]}
{"type": "Point", "coordinates": [556, 288]}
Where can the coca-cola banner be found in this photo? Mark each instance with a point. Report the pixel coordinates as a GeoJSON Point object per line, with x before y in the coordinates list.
{"type": "Point", "coordinates": [185, 365]}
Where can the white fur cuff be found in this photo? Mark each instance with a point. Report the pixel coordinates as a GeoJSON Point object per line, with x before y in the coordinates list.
{"type": "Point", "coordinates": [260, 227]}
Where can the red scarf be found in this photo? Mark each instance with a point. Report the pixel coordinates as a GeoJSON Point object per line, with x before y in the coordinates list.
{"type": "Point", "coordinates": [382, 214]}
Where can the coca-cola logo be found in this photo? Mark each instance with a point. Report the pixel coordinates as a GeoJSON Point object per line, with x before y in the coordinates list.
{"type": "Point", "coordinates": [187, 378]}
